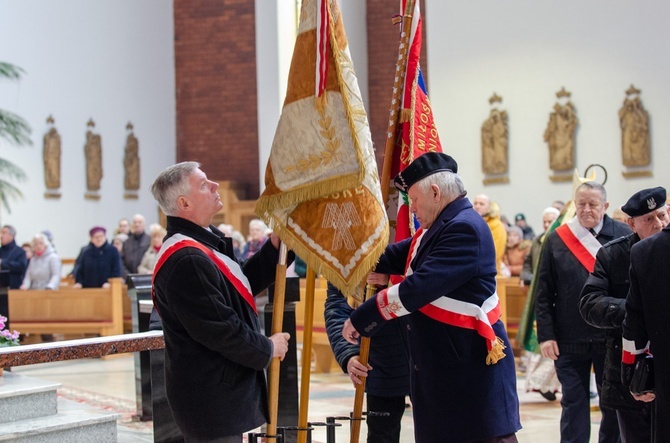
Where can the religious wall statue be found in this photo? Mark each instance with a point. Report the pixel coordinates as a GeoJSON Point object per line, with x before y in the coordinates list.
{"type": "Point", "coordinates": [93, 151]}
{"type": "Point", "coordinates": [635, 137]}
{"type": "Point", "coordinates": [131, 161]}
{"type": "Point", "coordinates": [495, 140]}
{"type": "Point", "coordinates": [560, 133]}
{"type": "Point", "coordinates": [52, 153]}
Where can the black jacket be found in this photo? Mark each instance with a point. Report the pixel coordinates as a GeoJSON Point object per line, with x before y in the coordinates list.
{"type": "Point", "coordinates": [389, 376]}
{"type": "Point", "coordinates": [97, 265]}
{"type": "Point", "coordinates": [14, 260]}
{"type": "Point", "coordinates": [603, 305]}
{"type": "Point", "coordinates": [215, 353]}
{"type": "Point", "coordinates": [560, 282]}
{"type": "Point", "coordinates": [647, 308]}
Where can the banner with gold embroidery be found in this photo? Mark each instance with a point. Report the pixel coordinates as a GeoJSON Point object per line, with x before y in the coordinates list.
{"type": "Point", "coordinates": [322, 194]}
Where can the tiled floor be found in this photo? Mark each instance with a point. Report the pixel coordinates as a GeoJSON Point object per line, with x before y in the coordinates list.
{"type": "Point", "coordinates": [330, 395]}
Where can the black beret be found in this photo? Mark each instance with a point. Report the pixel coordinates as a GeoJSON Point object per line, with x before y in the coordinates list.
{"type": "Point", "coordinates": [423, 166]}
{"type": "Point", "coordinates": [644, 201]}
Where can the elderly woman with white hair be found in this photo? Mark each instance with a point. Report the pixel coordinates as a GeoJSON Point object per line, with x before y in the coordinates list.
{"type": "Point", "coordinates": [44, 269]}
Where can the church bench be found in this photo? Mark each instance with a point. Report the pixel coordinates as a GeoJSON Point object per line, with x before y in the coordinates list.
{"type": "Point", "coordinates": [68, 310]}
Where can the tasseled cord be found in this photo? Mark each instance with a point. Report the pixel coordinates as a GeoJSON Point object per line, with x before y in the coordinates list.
{"type": "Point", "coordinates": [495, 351]}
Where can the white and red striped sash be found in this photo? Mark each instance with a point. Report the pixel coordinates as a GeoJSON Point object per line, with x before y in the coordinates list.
{"type": "Point", "coordinates": [445, 309]}
{"type": "Point", "coordinates": [228, 267]}
{"type": "Point", "coordinates": [580, 242]}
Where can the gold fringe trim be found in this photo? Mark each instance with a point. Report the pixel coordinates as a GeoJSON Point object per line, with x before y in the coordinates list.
{"type": "Point", "coordinates": [405, 115]}
{"type": "Point", "coordinates": [496, 352]}
{"type": "Point", "coordinates": [320, 266]}
{"type": "Point", "coordinates": [306, 192]}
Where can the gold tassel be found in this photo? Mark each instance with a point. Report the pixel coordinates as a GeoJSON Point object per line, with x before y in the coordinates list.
{"type": "Point", "coordinates": [496, 352]}
{"type": "Point", "coordinates": [405, 115]}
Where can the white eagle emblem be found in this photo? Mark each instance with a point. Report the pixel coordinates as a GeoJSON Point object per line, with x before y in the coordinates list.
{"type": "Point", "coordinates": [651, 203]}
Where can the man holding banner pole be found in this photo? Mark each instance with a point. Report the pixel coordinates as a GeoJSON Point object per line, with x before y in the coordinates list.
{"type": "Point", "coordinates": [462, 381]}
{"type": "Point", "coordinates": [215, 353]}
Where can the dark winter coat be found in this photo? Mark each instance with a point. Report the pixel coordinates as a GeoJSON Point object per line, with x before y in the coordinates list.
{"type": "Point", "coordinates": [455, 395]}
{"type": "Point", "coordinates": [215, 353]}
{"type": "Point", "coordinates": [560, 282]}
{"type": "Point", "coordinates": [647, 308]}
{"type": "Point", "coordinates": [97, 265]}
{"type": "Point", "coordinates": [133, 251]}
{"type": "Point", "coordinates": [603, 305]}
{"type": "Point", "coordinates": [389, 376]}
{"type": "Point", "coordinates": [15, 261]}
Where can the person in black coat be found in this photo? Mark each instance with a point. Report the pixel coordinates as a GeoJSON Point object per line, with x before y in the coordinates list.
{"type": "Point", "coordinates": [568, 257]}
{"type": "Point", "coordinates": [387, 377]}
{"type": "Point", "coordinates": [602, 305]}
{"type": "Point", "coordinates": [97, 262]}
{"type": "Point", "coordinates": [646, 328]}
{"type": "Point", "coordinates": [215, 352]}
{"type": "Point", "coordinates": [12, 257]}
{"type": "Point", "coordinates": [462, 375]}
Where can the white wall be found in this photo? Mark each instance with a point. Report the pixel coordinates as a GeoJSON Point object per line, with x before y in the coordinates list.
{"type": "Point", "coordinates": [526, 50]}
{"type": "Point", "coordinates": [110, 60]}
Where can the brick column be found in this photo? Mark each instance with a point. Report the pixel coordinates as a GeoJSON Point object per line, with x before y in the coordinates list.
{"type": "Point", "coordinates": [215, 70]}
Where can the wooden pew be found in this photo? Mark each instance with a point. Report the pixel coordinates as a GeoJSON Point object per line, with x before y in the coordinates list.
{"type": "Point", "coordinates": [68, 310]}
{"type": "Point", "coordinates": [321, 351]}
{"type": "Point", "coordinates": [513, 299]}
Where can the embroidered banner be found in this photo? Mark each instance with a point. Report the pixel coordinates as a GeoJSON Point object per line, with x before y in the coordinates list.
{"type": "Point", "coordinates": [322, 194]}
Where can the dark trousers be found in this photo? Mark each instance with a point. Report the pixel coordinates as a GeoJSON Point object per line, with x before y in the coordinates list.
{"type": "Point", "coordinates": [635, 426]}
{"type": "Point", "coordinates": [385, 429]}
{"type": "Point", "coordinates": [574, 373]}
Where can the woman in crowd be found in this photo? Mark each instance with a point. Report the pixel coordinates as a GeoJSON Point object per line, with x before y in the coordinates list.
{"type": "Point", "coordinates": [157, 233]}
{"type": "Point", "coordinates": [516, 250]}
{"type": "Point", "coordinates": [44, 268]}
{"type": "Point", "coordinates": [98, 262]}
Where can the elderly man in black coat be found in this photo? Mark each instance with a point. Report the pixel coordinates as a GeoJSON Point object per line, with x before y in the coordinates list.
{"type": "Point", "coordinates": [12, 257]}
{"type": "Point", "coordinates": [462, 376]}
{"type": "Point", "coordinates": [603, 305]}
{"type": "Point", "coordinates": [215, 353]}
{"type": "Point", "coordinates": [568, 256]}
{"type": "Point", "coordinates": [646, 329]}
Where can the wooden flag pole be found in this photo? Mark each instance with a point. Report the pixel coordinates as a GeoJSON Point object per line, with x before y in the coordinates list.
{"type": "Point", "coordinates": [396, 99]}
{"type": "Point", "coordinates": [363, 358]}
{"type": "Point", "coordinates": [306, 360]}
{"type": "Point", "coordinates": [394, 115]}
{"type": "Point", "coordinates": [277, 325]}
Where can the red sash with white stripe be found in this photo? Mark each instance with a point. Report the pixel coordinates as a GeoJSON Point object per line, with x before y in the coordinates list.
{"type": "Point", "coordinates": [230, 268]}
{"type": "Point", "coordinates": [448, 310]}
{"type": "Point", "coordinates": [580, 242]}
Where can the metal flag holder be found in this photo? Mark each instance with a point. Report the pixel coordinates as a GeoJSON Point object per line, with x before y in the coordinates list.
{"type": "Point", "coordinates": [330, 424]}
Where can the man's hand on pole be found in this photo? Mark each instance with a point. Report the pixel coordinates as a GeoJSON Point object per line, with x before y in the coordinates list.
{"type": "Point", "coordinates": [280, 342]}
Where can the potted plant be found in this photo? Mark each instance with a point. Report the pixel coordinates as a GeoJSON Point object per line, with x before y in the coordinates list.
{"type": "Point", "coordinates": [16, 130]}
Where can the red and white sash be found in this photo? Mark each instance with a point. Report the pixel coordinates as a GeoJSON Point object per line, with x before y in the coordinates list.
{"type": "Point", "coordinates": [230, 268]}
{"type": "Point", "coordinates": [580, 242]}
{"type": "Point", "coordinates": [445, 309]}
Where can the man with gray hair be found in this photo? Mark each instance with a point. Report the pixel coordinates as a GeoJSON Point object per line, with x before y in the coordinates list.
{"type": "Point", "coordinates": [135, 246]}
{"type": "Point", "coordinates": [12, 257]}
{"type": "Point", "coordinates": [568, 256]}
{"type": "Point", "coordinates": [215, 354]}
{"type": "Point", "coordinates": [462, 380]}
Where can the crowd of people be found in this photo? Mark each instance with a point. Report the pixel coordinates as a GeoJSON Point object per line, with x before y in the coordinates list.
{"type": "Point", "coordinates": [437, 335]}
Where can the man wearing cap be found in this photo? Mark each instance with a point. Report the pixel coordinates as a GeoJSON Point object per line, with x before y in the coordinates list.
{"type": "Point", "coordinates": [520, 221]}
{"type": "Point", "coordinates": [97, 262]}
{"type": "Point", "coordinates": [646, 329]}
{"type": "Point", "coordinates": [568, 257]}
{"type": "Point", "coordinates": [462, 376]}
{"type": "Point", "coordinates": [602, 305]}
